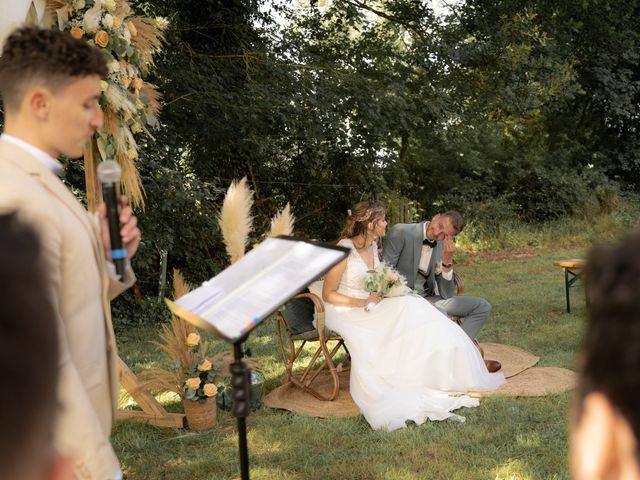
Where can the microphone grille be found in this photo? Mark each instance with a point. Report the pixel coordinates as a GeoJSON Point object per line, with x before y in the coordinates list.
{"type": "Point", "coordinates": [109, 171]}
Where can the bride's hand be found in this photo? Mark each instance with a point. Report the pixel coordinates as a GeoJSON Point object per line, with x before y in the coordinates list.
{"type": "Point", "coordinates": [374, 297]}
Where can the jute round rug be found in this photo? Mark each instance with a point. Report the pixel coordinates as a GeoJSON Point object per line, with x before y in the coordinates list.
{"type": "Point", "coordinates": [522, 381]}
{"type": "Point", "coordinates": [288, 397]}
{"type": "Point", "coordinates": [535, 382]}
{"type": "Point", "coordinates": [513, 359]}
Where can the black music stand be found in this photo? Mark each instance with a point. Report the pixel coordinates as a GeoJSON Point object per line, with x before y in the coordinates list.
{"type": "Point", "coordinates": [234, 302]}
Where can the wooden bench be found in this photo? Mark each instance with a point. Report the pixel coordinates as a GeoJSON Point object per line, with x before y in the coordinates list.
{"type": "Point", "coordinates": [572, 272]}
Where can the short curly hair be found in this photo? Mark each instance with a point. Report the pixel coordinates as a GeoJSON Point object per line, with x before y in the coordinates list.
{"type": "Point", "coordinates": [47, 57]}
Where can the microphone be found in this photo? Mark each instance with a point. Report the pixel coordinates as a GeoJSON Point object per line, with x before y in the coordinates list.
{"type": "Point", "coordinates": [109, 174]}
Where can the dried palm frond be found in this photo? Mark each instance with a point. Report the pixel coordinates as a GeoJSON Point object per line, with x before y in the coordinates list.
{"type": "Point", "coordinates": [282, 222]}
{"type": "Point", "coordinates": [149, 38]}
{"type": "Point", "coordinates": [53, 5]}
{"type": "Point", "coordinates": [151, 92]}
{"type": "Point", "coordinates": [59, 9]}
{"type": "Point", "coordinates": [111, 121]}
{"type": "Point", "coordinates": [130, 180]}
{"type": "Point", "coordinates": [235, 218]}
{"type": "Point", "coordinates": [161, 380]}
{"type": "Point", "coordinates": [173, 342]}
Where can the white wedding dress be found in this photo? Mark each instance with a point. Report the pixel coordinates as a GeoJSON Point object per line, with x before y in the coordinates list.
{"type": "Point", "coordinates": [408, 360]}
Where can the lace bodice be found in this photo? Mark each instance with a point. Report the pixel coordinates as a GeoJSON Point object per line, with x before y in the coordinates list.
{"type": "Point", "coordinates": [352, 282]}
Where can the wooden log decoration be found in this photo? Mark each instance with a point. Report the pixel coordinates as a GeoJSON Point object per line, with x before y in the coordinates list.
{"type": "Point", "coordinates": [152, 411]}
{"type": "Point", "coordinates": [92, 185]}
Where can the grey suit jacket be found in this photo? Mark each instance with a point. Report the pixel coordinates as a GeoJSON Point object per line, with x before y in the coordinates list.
{"type": "Point", "coordinates": [402, 250]}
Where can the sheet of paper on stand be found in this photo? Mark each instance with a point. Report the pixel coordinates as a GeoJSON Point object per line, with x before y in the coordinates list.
{"type": "Point", "coordinates": [244, 294]}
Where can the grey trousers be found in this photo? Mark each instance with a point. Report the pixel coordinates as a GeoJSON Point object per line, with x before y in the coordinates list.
{"type": "Point", "coordinates": [474, 310]}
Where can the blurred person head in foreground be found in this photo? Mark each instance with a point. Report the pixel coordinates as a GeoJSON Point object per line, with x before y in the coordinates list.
{"type": "Point", "coordinates": [605, 430]}
{"type": "Point", "coordinates": [28, 361]}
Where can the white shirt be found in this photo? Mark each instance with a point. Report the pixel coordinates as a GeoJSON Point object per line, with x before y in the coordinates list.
{"type": "Point", "coordinates": [425, 258]}
{"type": "Point", "coordinates": [47, 160]}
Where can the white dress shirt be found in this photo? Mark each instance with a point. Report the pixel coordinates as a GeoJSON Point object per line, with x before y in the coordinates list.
{"type": "Point", "coordinates": [47, 160]}
{"type": "Point", "coordinates": [425, 258]}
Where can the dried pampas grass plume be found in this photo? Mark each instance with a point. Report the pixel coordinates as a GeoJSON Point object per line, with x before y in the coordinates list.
{"type": "Point", "coordinates": [282, 222]}
{"type": "Point", "coordinates": [235, 218]}
{"type": "Point", "coordinates": [180, 285]}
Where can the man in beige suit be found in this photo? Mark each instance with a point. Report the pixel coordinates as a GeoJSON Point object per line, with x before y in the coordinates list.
{"type": "Point", "coordinates": [50, 87]}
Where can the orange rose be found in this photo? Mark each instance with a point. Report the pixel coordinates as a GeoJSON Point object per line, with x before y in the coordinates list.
{"type": "Point", "coordinates": [205, 365]}
{"type": "Point", "coordinates": [126, 80]}
{"type": "Point", "coordinates": [137, 83]}
{"type": "Point", "coordinates": [102, 38]}
{"type": "Point", "coordinates": [210, 389]}
{"type": "Point", "coordinates": [193, 383]}
{"type": "Point", "coordinates": [76, 32]}
{"type": "Point", "coordinates": [117, 22]}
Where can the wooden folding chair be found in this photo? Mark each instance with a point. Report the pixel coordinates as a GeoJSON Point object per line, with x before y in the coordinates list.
{"type": "Point", "coordinates": [294, 327]}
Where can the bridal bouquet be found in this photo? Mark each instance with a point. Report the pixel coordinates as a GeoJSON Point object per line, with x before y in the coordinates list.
{"type": "Point", "coordinates": [386, 282]}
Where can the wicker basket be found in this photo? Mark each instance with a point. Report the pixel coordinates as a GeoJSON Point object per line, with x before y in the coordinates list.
{"type": "Point", "coordinates": [200, 416]}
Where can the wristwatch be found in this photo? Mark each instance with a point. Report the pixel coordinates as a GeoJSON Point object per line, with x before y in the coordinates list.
{"type": "Point", "coordinates": [447, 265]}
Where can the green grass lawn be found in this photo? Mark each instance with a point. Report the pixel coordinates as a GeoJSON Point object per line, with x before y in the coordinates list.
{"type": "Point", "coordinates": [504, 438]}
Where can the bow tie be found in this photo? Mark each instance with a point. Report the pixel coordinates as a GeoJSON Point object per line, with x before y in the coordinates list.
{"type": "Point", "coordinates": [430, 243]}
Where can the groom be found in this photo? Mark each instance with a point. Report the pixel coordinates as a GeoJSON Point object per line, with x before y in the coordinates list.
{"type": "Point", "coordinates": [423, 253]}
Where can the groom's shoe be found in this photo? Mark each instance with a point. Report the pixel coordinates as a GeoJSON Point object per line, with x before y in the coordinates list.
{"type": "Point", "coordinates": [493, 365]}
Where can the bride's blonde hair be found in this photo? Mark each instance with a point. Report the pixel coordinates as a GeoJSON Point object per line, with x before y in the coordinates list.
{"type": "Point", "coordinates": [360, 215]}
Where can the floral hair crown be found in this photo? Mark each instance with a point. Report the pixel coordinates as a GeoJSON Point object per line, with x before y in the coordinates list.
{"type": "Point", "coordinates": [362, 217]}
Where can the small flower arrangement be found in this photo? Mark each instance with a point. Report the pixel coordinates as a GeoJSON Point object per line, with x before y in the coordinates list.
{"type": "Point", "coordinates": [194, 374]}
{"type": "Point", "coordinates": [201, 377]}
{"type": "Point", "coordinates": [386, 282]}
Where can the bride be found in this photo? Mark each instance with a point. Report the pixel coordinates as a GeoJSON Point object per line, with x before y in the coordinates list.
{"type": "Point", "coordinates": [409, 362]}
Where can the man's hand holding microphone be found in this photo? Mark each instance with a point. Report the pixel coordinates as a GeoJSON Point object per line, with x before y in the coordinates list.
{"type": "Point", "coordinates": [118, 225]}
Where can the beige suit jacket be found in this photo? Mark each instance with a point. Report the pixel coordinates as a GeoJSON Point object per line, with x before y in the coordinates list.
{"type": "Point", "coordinates": [81, 290]}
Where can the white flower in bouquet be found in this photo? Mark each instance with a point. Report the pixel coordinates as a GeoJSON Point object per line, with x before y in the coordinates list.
{"type": "Point", "coordinates": [113, 66]}
{"type": "Point", "coordinates": [92, 17]}
{"type": "Point", "coordinates": [109, 5]}
{"type": "Point", "coordinates": [107, 21]}
{"type": "Point", "coordinates": [386, 282]}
